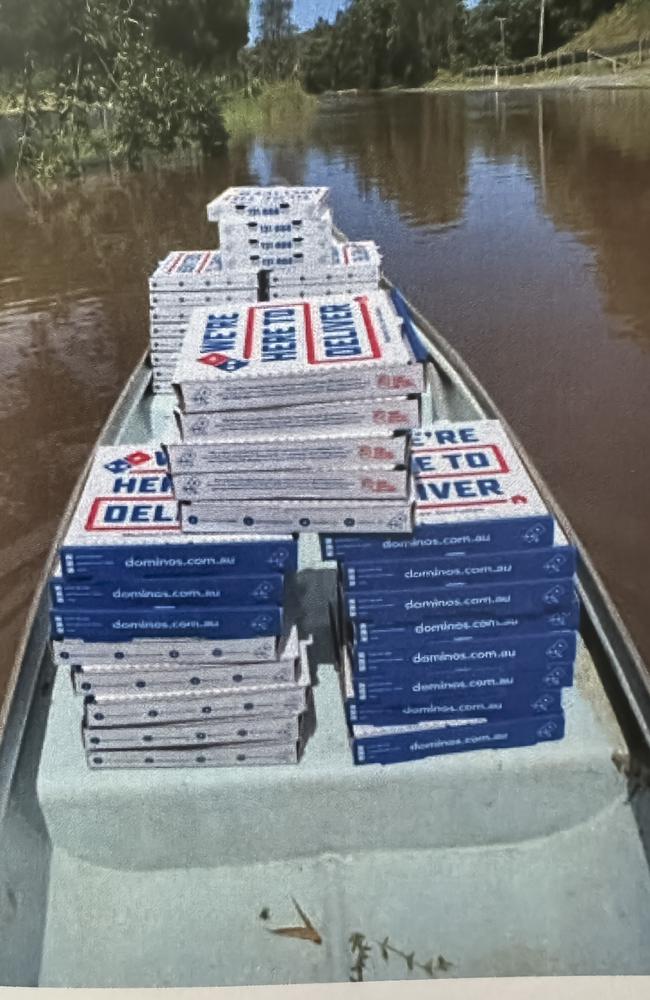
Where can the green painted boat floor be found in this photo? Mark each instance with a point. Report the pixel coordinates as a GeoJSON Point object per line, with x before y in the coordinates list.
{"type": "Point", "coordinates": [510, 862]}
{"type": "Point", "coordinates": [501, 861]}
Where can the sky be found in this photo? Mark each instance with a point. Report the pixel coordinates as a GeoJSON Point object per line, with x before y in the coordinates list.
{"type": "Point", "coordinates": [306, 12]}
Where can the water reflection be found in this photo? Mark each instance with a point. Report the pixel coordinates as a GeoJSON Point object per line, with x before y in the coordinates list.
{"type": "Point", "coordinates": [517, 222]}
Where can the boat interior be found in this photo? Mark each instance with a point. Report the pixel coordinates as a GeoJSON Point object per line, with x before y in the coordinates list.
{"type": "Point", "coordinates": [516, 862]}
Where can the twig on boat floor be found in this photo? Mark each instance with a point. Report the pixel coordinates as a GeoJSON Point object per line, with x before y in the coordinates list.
{"type": "Point", "coordinates": [306, 932]}
{"type": "Point", "coordinates": [359, 947]}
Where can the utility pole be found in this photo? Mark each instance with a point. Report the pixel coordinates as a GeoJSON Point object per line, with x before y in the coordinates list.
{"type": "Point", "coordinates": [542, 11]}
{"type": "Point", "coordinates": [502, 21]}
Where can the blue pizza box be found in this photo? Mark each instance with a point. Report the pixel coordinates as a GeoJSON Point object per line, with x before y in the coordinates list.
{"type": "Point", "coordinates": [392, 745]}
{"type": "Point", "coordinates": [414, 684]}
{"type": "Point", "coordinates": [487, 706]}
{"type": "Point", "coordinates": [115, 625]}
{"type": "Point", "coordinates": [425, 633]}
{"type": "Point", "coordinates": [169, 592]}
{"type": "Point", "coordinates": [537, 650]}
{"type": "Point", "coordinates": [526, 598]}
{"type": "Point", "coordinates": [556, 563]}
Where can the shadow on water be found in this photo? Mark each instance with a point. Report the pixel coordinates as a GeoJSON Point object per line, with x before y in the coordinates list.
{"type": "Point", "coordinates": [517, 222]}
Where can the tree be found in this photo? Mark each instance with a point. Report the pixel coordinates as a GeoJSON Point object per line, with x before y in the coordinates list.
{"type": "Point", "coordinates": [277, 38]}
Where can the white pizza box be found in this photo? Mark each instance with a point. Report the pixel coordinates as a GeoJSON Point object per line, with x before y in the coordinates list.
{"type": "Point", "coordinates": [181, 313]}
{"type": "Point", "coordinates": [320, 350]}
{"type": "Point", "coordinates": [176, 330]}
{"type": "Point", "coordinates": [340, 516]}
{"type": "Point", "coordinates": [165, 359]}
{"type": "Point", "coordinates": [75, 653]}
{"type": "Point", "coordinates": [166, 345]}
{"type": "Point", "coordinates": [191, 299]}
{"type": "Point", "coordinates": [127, 503]}
{"type": "Point", "coordinates": [232, 227]}
{"type": "Point", "coordinates": [351, 448]}
{"type": "Point", "coordinates": [199, 269]}
{"type": "Point", "coordinates": [469, 471]}
{"type": "Point", "coordinates": [159, 707]}
{"type": "Point", "coordinates": [128, 677]}
{"type": "Point", "coordinates": [304, 419]}
{"type": "Point", "coordinates": [324, 483]}
{"type": "Point", "coordinates": [349, 262]}
{"type": "Point", "coordinates": [269, 203]}
{"type": "Point", "coordinates": [241, 237]}
{"type": "Point", "coordinates": [233, 755]}
{"type": "Point", "coordinates": [313, 289]}
{"type": "Point", "coordinates": [189, 734]}
{"type": "Point", "coordinates": [280, 255]}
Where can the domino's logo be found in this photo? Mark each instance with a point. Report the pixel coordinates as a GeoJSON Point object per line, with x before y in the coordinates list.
{"type": "Point", "coordinates": [262, 591]}
{"type": "Point", "coordinates": [558, 650]}
{"type": "Point", "coordinates": [279, 558]}
{"type": "Point", "coordinates": [554, 677]}
{"type": "Point", "coordinates": [555, 564]}
{"type": "Point", "coordinates": [534, 534]}
{"type": "Point", "coordinates": [547, 731]}
{"type": "Point", "coordinates": [554, 595]}
{"type": "Point", "coordinates": [133, 461]}
{"type": "Point", "coordinates": [222, 362]}
{"type": "Point", "coordinates": [261, 623]}
{"type": "Point", "coordinates": [543, 704]}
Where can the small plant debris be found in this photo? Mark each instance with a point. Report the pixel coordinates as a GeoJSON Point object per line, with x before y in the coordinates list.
{"type": "Point", "coordinates": [431, 966]}
{"type": "Point", "coordinates": [265, 913]}
{"type": "Point", "coordinates": [361, 952]}
{"type": "Point", "coordinates": [305, 932]}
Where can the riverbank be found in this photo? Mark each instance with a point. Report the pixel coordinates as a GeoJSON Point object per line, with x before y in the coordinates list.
{"type": "Point", "coordinates": [635, 78]}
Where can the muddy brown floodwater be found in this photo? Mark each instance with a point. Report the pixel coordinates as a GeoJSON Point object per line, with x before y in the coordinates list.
{"type": "Point", "coordinates": [518, 223]}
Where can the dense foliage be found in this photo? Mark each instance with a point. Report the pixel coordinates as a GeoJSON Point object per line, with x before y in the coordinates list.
{"type": "Point", "coordinates": [375, 43]}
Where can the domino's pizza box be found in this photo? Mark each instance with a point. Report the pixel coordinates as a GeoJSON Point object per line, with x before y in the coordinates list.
{"type": "Point", "coordinates": [268, 516]}
{"type": "Point", "coordinates": [190, 734]}
{"type": "Point", "coordinates": [413, 685]}
{"type": "Point", "coordinates": [556, 563]}
{"type": "Point", "coordinates": [537, 651]}
{"type": "Point", "coordinates": [233, 229]}
{"type": "Point", "coordinates": [285, 252]}
{"type": "Point", "coordinates": [304, 419]}
{"type": "Point", "coordinates": [165, 346]}
{"type": "Point", "coordinates": [263, 204]}
{"type": "Point", "coordinates": [169, 592]}
{"type": "Point", "coordinates": [494, 508]}
{"type": "Point", "coordinates": [104, 625]}
{"type": "Point", "coordinates": [237, 239]}
{"type": "Point", "coordinates": [516, 704]}
{"type": "Point", "coordinates": [312, 351]}
{"type": "Point", "coordinates": [165, 360]}
{"type": "Point", "coordinates": [359, 262]}
{"type": "Point", "coordinates": [187, 299]}
{"type": "Point", "coordinates": [398, 744]}
{"type": "Point", "coordinates": [426, 632]}
{"type": "Point", "coordinates": [327, 483]}
{"type": "Point", "coordinates": [311, 289]}
{"type": "Point", "coordinates": [168, 331]}
{"type": "Point", "coordinates": [199, 270]}
{"type": "Point", "coordinates": [523, 598]}
{"type": "Point", "coordinates": [265, 754]}
{"type": "Point", "coordinates": [104, 710]}
{"type": "Point", "coordinates": [127, 523]}
{"type": "Point", "coordinates": [270, 453]}
{"type": "Point", "coordinates": [74, 653]}
{"type": "Point", "coordinates": [118, 676]}
{"type": "Point", "coordinates": [168, 312]}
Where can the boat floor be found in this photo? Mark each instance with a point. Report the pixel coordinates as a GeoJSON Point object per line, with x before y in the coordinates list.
{"type": "Point", "coordinates": [511, 862]}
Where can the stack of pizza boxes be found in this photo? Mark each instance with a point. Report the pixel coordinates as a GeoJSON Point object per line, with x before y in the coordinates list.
{"type": "Point", "coordinates": [287, 234]}
{"type": "Point", "coordinates": [183, 281]}
{"type": "Point", "coordinates": [180, 647]}
{"type": "Point", "coordinates": [461, 636]}
{"type": "Point", "coordinates": [293, 417]}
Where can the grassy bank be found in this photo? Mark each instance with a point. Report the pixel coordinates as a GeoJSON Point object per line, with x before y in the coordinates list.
{"type": "Point", "coordinates": [276, 110]}
{"type": "Point", "coordinates": [583, 77]}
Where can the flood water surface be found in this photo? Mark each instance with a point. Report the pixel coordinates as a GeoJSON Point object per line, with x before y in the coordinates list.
{"type": "Point", "coordinates": [518, 223]}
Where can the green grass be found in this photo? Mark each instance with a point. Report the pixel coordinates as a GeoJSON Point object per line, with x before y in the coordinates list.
{"type": "Point", "coordinates": [624, 25]}
{"type": "Point", "coordinates": [278, 109]}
